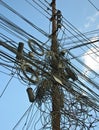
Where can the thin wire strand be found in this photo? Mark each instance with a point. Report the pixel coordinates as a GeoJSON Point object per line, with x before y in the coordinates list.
{"type": "Point", "coordinates": [93, 5]}
{"type": "Point", "coordinates": [7, 85]}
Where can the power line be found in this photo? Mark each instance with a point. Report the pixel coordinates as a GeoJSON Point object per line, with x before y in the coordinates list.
{"type": "Point", "coordinates": [7, 85]}
{"type": "Point", "coordinates": [84, 44]}
{"type": "Point", "coordinates": [93, 5]}
{"type": "Point", "coordinates": [30, 23]}
{"type": "Point", "coordinates": [37, 9]}
{"type": "Point", "coordinates": [41, 6]}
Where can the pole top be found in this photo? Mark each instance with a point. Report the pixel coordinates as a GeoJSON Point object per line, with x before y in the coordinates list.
{"type": "Point", "coordinates": [53, 2]}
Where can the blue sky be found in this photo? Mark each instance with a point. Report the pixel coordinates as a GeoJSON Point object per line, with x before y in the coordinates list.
{"type": "Point", "coordinates": [14, 102]}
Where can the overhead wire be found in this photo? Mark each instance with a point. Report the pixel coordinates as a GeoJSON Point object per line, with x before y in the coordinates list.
{"type": "Point", "coordinates": [36, 9]}
{"type": "Point", "coordinates": [10, 22]}
{"type": "Point", "coordinates": [29, 118]}
{"type": "Point", "coordinates": [82, 36]}
{"type": "Point", "coordinates": [95, 32]}
{"type": "Point", "coordinates": [76, 30]}
{"type": "Point", "coordinates": [11, 32]}
{"type": "Point", "coordinates": [48, 7]}
{"type": "Point", "coordinates": [85, 66]}
{"type": "Point", "coordinates": [22, 17]}
{"type": "Point", "coordinates": [41, 6]}
{"type": "Point", "coordinates": [84, 44]}
{"type": "Point", "coordinates": [22, 117]}
{"type": "Point", "coordinates": [70, 40]}
{"type": "Point", "coordinates": [20, 30]}
{"type": "Point", "coordinates": [82, 55]}
{"type": "Point", "coordinates": [93, 5]}
{"type": "Point", "coordinates": [47, 2]}
{"type": "Point", "coordinates": [7, 85]}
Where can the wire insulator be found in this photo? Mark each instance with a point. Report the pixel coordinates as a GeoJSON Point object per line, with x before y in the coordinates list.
{"type": "Point", "coordinates": [59, 19]}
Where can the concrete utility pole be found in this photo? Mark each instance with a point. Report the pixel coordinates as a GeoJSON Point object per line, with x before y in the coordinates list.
{"type": "Point", "coordinates": [55, 88]}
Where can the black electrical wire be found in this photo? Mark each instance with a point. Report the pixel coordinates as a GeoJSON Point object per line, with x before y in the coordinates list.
{"type": "Point", "coordinates": [48, 7]}
{"type": "Point", "coordinates": [37, 9]}
{"type": "Point", "coordinates": [7, 85]}
{"type": "Point", "coordinates": [82, 55]}
{"type": "Point", "coordinates": [76, 30]}
{"type": "Point", "coordinates": [41, 6]}
{"type": "Point", "coordinates": [9, 58]}
{"type": "Point", "coordinates": [86, 33]}
{"type": "Point", "coordinates": [11, 32]}
{"type": "Point", "coordinates": [93, 5]}
{"type": "Point", "coordinates": [20, 31]}
{"type": "Point", "coordinates": [47, 2]}
{"type": "Point", "coordinates": [23, 32]}
{"type": "Point", "coordinates": [84, 44]}
{"type": "Point", "coordinates": [8, 40]}
{"type": "Point", "coordinates": [81, 41]}
{"type": "Point", "coordinates": [22, 17]}
{"type": "Point", "coordinates": [29, 118]}
{"type": "Point", "coordinates": [22, 117]}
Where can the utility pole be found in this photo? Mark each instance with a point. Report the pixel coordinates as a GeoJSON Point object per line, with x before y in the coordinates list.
{"type": "Point", "coordinates": [55, 88]}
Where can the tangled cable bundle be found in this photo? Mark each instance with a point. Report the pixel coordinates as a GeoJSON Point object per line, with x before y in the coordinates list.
{"type": "Point", "coordinates": [60, 76]}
